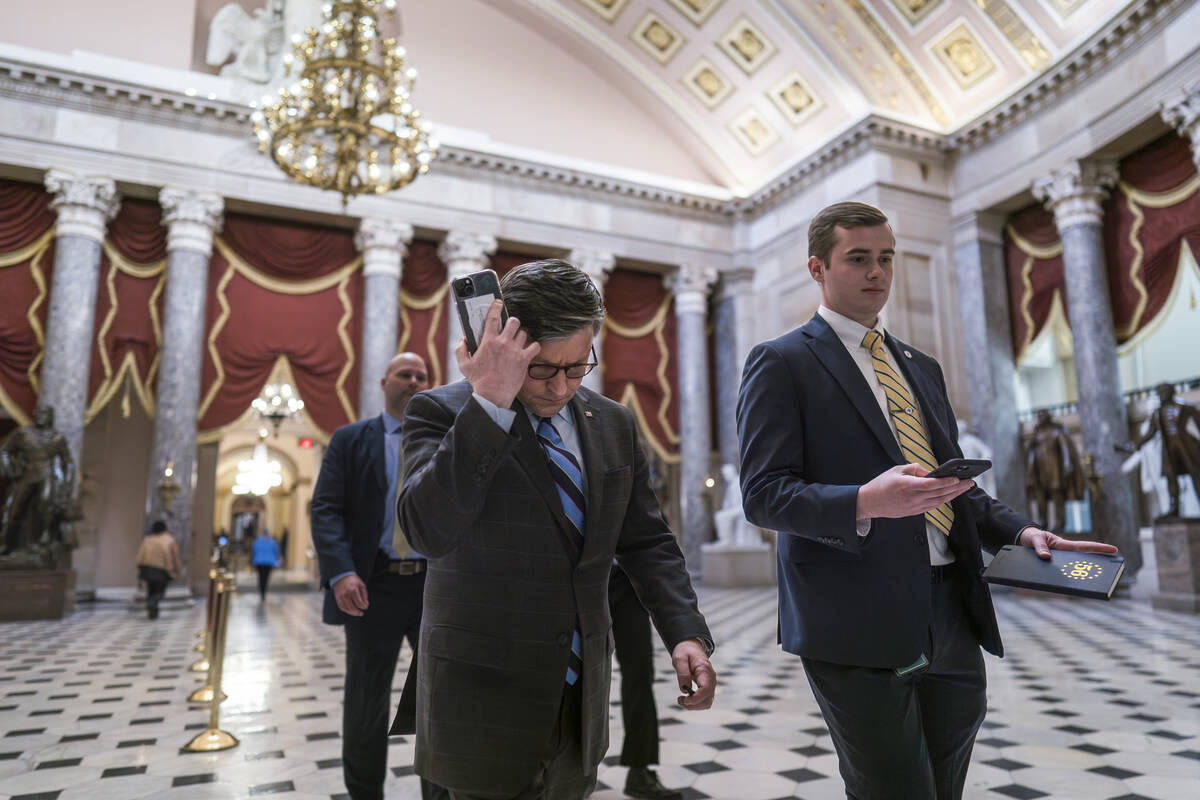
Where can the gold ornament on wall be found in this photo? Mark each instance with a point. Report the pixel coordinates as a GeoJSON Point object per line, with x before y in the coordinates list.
{"type": "Point", "coordinates": [697, 11]}
{"type": "Point", "coordinates": [607, 10]}
{"type": "Point", "coordinates": [347, 122]}
{"type": "Point", "coordinates": [794, 98]}
{"type": "Point", "coordinates": [746, 45]}
{"type": "Point", "coordinates": [963, 56]}
{"type": "Point", "coordinates": [915, 10]}
{"type": "Point", "coordinates": [707, 83]}
{"type": "Point", "coordinates": [752, 131]}
{"type": "Point", "coordinates": [657, 38]}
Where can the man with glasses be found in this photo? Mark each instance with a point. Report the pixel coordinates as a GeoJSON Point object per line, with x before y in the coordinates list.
{"type": "Point", "coordinates": [521, 488]}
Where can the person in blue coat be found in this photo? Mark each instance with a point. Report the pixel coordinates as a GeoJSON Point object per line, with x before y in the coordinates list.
{"type": "Point", "coordinates": [265, 556]}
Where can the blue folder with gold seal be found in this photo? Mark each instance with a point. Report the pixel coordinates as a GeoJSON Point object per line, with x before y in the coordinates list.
{"type": "Point", "coordinates": [1078, 574]}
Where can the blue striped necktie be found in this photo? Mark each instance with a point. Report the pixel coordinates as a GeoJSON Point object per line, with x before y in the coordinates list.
{"type": "Point", "coordinates": [568, 479]}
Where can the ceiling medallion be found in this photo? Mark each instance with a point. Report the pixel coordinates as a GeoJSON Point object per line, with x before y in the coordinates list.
{"type": "Point", "coordinates": [346, 123]}
{"type": "Point", "coordinates": [607, 10]}
{"type": "Point", "coordinates": [794, 98]}
{"type": "Point", "coordinates": [915, 10]}
{"type": "Point", "coordinates": [752, 131]}
{"type": "Point", "coordinates": [746, 45]}
{"type": "Point", "coordinates": [657, 38]}
{"type": "Point", "coordinates": [707, 83]}
{"type": "Point", "coordinates": [963, 55]}
{"type": "Point", "coordinates": [697, 11]}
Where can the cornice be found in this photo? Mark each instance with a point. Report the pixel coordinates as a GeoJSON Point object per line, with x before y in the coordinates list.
{"type": "Point", "coordinates": [1136, 21]}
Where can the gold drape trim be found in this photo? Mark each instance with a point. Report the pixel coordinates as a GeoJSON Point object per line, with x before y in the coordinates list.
{"type": "Point", "coordinates": [424, 303]}
{"type": "Point", "coordinates": [636, 332]}
{"type": "Point", "coordinates": [36, 247]}
{"type": "Point", "coordinates": [12, 408]}
{"type": "Point", "coordinates": [35, 270]}
{"type": "Point", "coordinates": [1041, 252]}
{"type": "Point", "coordinates": [1164, 199]}
{"type": "Point", "coordinates": [131, 268]}
{"type": "Point", "coordinates": [126, 371]}
{"type": "Point", "coordinates": [152, 373]}
{"type": "Point", "coordinates": [653, 326]}
{"type": "Point", "coordinates": [222, 318]}
{"type": "Point", "coordinates": [1138, 339]}
{"type": "Point", "coordinates": [105, 364]}
{"type": "Point", "coordinates": [1135, 267]}
{"type": "Point", "coordinates": [435, 358]}
{"type": "Point", "coordinates": [347, 346]}
{"type": "Point", "coordinates": [282, 368]}
{"type": "Point", "coordinates": [284, 287]}
{"type": "Point", "coordinates": [436, 301]}
{"type": "Point", "coordinates": [629, 399]}
{"type": "Point", "coordinates": [1026, 300]}
{"type": "Point", "coordinates": [663, 355]}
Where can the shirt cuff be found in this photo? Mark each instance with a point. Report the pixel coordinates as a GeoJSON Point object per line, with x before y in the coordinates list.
{"type": "Point", "coordinates": [501, 416]}
{"type": "Point", "coordinates": [337, 578]}
{"type": "Point", "coordinates": [863, 526]}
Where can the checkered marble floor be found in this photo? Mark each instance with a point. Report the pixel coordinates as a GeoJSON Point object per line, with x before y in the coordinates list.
{"type": "Point", "coordinates": [1095, 701]}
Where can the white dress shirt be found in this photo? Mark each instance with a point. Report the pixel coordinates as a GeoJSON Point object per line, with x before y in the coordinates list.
{"type": "Point", "coordinates": [563, 421]}
{"type": "Point", "coordinates": [851, 334]}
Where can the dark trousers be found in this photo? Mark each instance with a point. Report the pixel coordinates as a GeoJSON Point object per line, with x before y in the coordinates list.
{"type": "Point", "coordinates": [264, 577]}
{"type": "Point", "coordinates": [635, 655]}
{"type": "Point", "coordinates": [910, 737]}
{"type": "Point", "coordinates": [156, 587]}
{"type": "Point", "coordinates": [372, 649]}
{"type": "Point", "coordinates": [562, 777]}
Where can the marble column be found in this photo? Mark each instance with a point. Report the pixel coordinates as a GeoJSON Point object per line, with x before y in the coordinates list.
{"type": "Point", "coordinates": [691, 284]}
{"type": "Point", "coordinates": [987, 345]}
{"type": "Point", "coordinates": [84, 206]}
{"type": "Point", "coordinates": [1075, 194]}
{"type": "Point", "coordinates": [384, 243]}
{"type": "Point", "coordinates": [1182, 112]}
{"type": "Point", "coordinates": [191, 219]}
{"type": "Point", "coordinates": [734, 335]}
{"type": "Point", "coordinates": [597, 264]}
{"type": "Point", "coordinates": [462, 252]}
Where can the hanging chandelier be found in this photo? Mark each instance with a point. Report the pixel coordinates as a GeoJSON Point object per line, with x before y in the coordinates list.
{"type": "Point", "coordinates": [346, 123]}
{"type": "Point", "coordinates": [277, 403]}
{"type": "Point", "coordinates": [258, 474]}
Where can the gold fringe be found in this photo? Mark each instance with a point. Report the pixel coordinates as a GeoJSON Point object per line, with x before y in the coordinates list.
{"type": "Point", "coordinates": [34, 248]}
{"type": "Point", "coordinates": [1128, 346]}
{"type": "Point", "coordinates": [284, 287]}
{"type": "Point", "coordinates": [135, 270]}
{"type": "Point", "coordinates": [348, 347]}
{"type": "Point", "coordinates": [35, 270]}
{"type": "Point", "coordinates": [1038, 251]}
{"type": "Point", "coordinates": [212, 343]}
{"type": "Point", "coordinates": [629, 399]}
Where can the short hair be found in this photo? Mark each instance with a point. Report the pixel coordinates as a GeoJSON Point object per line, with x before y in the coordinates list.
{"type": "Point", "coordinates": [158, 527]}
{"type": "Point", "coordinates": [846, 215]}
{"type": "Point", "coordinates": [552, 299]}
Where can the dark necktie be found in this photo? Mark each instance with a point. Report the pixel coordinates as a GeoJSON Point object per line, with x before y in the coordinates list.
{"type": "Point", "coordinates": [568, 479]}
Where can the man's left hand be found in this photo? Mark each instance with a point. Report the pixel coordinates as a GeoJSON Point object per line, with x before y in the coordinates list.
{"type": "Point", "coordinates": [692, 666]}
{"type": "Point", "coordinates": [1043, 541]}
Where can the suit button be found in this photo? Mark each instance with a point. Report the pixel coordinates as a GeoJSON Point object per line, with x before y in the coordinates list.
{"type": "Point", "coordinates": [562, 639]}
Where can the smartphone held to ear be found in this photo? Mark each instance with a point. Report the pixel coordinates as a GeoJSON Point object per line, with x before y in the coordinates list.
{"type": "Point", "coordinates": [473, 296]}
{"type": "Point", "coordinates": [961, 468]}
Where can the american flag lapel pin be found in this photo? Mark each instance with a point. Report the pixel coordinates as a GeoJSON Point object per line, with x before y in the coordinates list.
{"type": "Point", "coordinates": [587, 414]}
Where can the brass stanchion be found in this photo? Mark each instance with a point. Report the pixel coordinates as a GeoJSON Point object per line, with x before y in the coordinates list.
{"type": "Point", "coordinates": [205, 693]}
{"type": "Point", "coordinates": [209, 603]}
{"type": "Point", "coordinates": [214, 738]}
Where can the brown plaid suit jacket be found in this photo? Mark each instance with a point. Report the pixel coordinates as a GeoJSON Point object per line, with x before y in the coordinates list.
{"type": "Point", "coordinates": [506, 586]}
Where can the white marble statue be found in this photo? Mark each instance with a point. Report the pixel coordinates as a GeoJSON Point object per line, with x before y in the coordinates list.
{"type": "Point", "coordinates": [733, 529]}
{"type": "Point", "coordinates": [1149, 458]}
{"type": "Point", "coordinates": [255, 42]}
{"type": "Point", "coordinates": [974, 447]}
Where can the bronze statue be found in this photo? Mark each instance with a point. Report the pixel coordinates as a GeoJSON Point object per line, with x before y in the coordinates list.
{"type": "Point", "coordinates": [41, 498]}
{"type": "Point", "coordinates": [1053, 471]}
{"type": "Point", "coordinates": [1180, 450]}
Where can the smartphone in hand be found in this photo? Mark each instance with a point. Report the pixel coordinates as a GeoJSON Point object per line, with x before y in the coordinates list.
{"type": "Point", "coordinates": [961, 468]}
{"type": "Point", "coordinates": [473, 296]}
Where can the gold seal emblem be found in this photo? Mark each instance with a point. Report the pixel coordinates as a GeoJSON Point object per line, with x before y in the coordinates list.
{"type": "Point", "coordinates": [1082, 570]}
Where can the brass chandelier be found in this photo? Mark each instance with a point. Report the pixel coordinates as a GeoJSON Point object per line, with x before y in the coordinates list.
{"type": "Point", "coordinates": [347, 122]}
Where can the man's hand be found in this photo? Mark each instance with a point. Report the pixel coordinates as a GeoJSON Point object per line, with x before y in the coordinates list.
{"type": "Point", "coordinates": [903, 491]}
{"type": "Point", "coordinates": [351, 595]}
{"type": "Point", "coordinates": [1043, 541]}
{"type": "Point", "coordinates": [692, 665]}
{"type": "Point", "coordinates": [498, 369]}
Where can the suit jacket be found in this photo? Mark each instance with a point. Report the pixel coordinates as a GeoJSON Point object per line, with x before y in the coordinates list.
{"type": "Point", "coordinates": [506, 585]}
{"type": "Point", "coordinates": [347, 506]}
{"type": "Point", "coordinates": [811, 434]}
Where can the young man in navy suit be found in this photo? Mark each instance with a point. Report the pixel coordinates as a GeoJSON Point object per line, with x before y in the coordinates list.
{"type": "Point", "coordinates": [879, 566]}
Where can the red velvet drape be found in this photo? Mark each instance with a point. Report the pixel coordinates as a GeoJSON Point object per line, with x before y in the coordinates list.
{"type": "Point", "coordinates": [642, 370]}
{"type": "Point", "coordinates": [423, 307]}
{"type": "Point", "coordinates": [1032, 280]}
{"type": "Point", "coordinates": [281, 289]}
{"type": "Point", "coordinates": [1143, 241]}
{"type": "Point", "coordinates": [25, 217]}
{"type": "Point", "coordinates": [129, 305]}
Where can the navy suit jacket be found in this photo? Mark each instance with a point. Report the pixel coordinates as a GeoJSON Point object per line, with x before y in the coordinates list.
{"type": "Point", "coordinates": [347, 506]}
{"type": "Point", "coordinates": [811, 434]}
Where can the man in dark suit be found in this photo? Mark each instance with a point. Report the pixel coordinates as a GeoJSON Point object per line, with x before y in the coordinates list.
{"type": "Point", "coordinates": [373, 577]}
{"type": "Point", "coordinates": [521, 488]}
{"type": "Point", "coordinates": [879, 567]}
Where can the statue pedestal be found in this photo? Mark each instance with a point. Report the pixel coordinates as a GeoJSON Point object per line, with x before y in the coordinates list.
{"type": "Point", "coordinates": [34, 594]}
{"type": "Point", "coordinates": [1177, 548]}
{"type": "Point", "coordinates": [752, 565]}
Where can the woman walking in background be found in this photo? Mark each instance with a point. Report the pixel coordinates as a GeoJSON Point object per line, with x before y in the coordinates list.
{"type": "Point", "coordinates": [157, 563]}
{"type": "Point", "coordinates": [265, 556]}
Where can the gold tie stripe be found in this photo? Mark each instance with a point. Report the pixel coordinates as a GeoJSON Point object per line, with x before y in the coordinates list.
{"type": "Point", "coordinates": [909, 431]}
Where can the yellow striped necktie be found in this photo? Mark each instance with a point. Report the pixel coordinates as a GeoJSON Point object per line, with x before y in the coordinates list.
{"type": "Point", "coordinates": [910, 432]}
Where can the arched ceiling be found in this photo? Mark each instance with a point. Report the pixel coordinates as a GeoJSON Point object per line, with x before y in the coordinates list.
{"type": "Point", "coordinates": [760, 84]}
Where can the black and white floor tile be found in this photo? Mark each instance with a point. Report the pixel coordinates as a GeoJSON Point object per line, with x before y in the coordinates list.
{"type": "Point", "coordinates": [1095, 701]}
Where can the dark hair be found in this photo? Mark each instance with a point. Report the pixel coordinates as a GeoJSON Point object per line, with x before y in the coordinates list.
{"type": "Point", "coordinates": [158, 527]}
{"type": "Point", "coordinates": [846, 215]}
{"type": "Point", "coordinates": [552, 299]}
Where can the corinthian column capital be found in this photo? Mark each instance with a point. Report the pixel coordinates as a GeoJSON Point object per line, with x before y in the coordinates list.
{"type": "Point", "coordinates": [691, 283]}
{"type": "Point", "coordinates": [383, 243]}
{"type": "Point", "coordinates": [192, 218]}
{"type": "Point", "coordinates": [596, 264]}
{"type": "Point", "coordinates": [1075, 193]}
{"type": "Point", "coordinates": [463, 252]}
{"type": "Point", "coordinates": [84, 205]}
{"type": "Point", "coordinates": [1182, 112]}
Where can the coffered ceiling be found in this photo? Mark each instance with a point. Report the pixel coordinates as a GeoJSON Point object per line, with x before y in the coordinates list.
{"type": "Point", "coordinates": [763, 83]}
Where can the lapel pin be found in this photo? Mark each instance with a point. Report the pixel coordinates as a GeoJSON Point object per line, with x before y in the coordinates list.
{"type": "Point", "coordinates": [907, 354]}
{"type": "Point", "coordinates": [587, 414]}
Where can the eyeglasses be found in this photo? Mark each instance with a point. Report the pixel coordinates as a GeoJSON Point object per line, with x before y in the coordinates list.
{"type": "Point", "coordinates": [544, 372]}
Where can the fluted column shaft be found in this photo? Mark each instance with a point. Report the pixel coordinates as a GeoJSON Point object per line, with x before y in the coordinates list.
{"type": "Point", "coordinates": [1182, 112]}
{"type": "Point", "coordinates": [732, 340]}
{"type": "Point", "coordinates": [691, 285]}
{"type": "Point", "coordinates": [462, 253]}
{"type": "Point", "coordinates": [597, 264]}
{"type": "Point", "coordinates": [192, 218]}
{"type": "Point", "coordinates": [84, 205]}
{"type": "Point", "coordinates": [987, 343]}
{"type": "Point", "coordinates": [383, 243]}
{"type": "Point", "coordinates": [1075, 195]}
